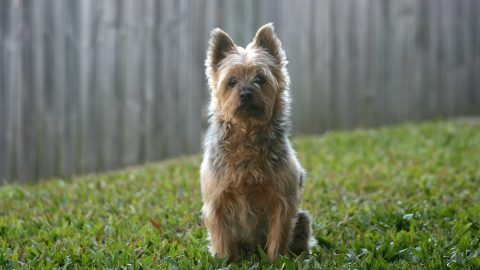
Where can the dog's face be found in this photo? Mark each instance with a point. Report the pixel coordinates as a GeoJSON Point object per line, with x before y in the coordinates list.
{"type": "Point", "coordinates": [246, 83]}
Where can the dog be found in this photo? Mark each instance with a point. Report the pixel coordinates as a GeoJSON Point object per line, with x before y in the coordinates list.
{"type": "Point", "coordinates": [251, 180]}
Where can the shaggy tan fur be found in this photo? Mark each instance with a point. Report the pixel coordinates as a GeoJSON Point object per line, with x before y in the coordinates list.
{"type": "Point", "coordinates": [251, 179]}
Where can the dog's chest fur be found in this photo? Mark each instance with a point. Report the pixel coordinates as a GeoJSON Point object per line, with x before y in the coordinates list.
{"type": "Point", "coordinates": [247, 180]}
{"type": "Point", "coordinates": [245, 163]}
{"type": "Point", "coordinates": [247, 158]}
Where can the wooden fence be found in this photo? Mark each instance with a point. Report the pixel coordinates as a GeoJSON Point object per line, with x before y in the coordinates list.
{"type": "Point", "coordinates": [94, 85]}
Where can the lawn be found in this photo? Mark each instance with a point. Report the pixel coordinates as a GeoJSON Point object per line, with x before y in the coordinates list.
{"type": "Point", "coordinates": [404, 197]}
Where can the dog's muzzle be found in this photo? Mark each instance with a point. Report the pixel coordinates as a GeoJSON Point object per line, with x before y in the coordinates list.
{"type": "Point", "coordinates": [246, 95]}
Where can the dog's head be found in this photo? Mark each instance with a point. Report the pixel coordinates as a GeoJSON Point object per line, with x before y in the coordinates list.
{"type": "Point", "coordinates": [247, 84]}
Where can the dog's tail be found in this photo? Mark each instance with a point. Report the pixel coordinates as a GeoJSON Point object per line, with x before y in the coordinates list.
{"type": "Point", "coordinates": [302, 238]}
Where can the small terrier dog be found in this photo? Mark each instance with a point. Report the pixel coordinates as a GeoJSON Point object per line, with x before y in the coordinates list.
{"type": "Point", "coordinates": [251, 180]}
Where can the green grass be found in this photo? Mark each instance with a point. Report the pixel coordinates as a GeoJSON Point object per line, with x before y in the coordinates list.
{"type": "Point", "coordinates": [404, 197]}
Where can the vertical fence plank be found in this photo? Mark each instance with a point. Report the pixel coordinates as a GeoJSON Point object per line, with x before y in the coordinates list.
{"type": "Point", "coordinates": [15, 89]}
{"type": "Point", "coordinates": [132, 63]}
{"type": "Point", "coordinates": [463, 42]}
{"type": "Point", "coordinates": [38, 79]}
{"type": "Point", "coordinates": [321, 81]}
{"type": "Point", "coordinates": [119, 84]}
{"type": "Point", "coordinates": [8, 63]}
{"type": "Point", "coordinates": [158, 82]}
{"type": "Point", "coordinates": [59, 87]}
{"type": "Point", "coordinates": [433, 57]}
{"type": "Point", "coordinates": [351, 70]}
{"type": "Point", "coordinates": [70, 104]}
{"type": "Point", "coordinates": [364, 106]}
{"type": "Point", "coordinates": [26, 148]}
{"type": "Point", "coordinates": [2, 100]}
{"type": "Point", "coordinates": [97, 138]}
{"type": "Point", "coordinates": [108, 30]}
{"type": "Point", "coordinates": [475, 70]}
{"type": "Point", "coordinates": [191, 105]}
{"type": "Point", "coordinates": [170, 77]}
{"type": "Point", "coordinates": [147, 145]}
{"type": "Point", "coordinates": [49, 144]}
{"type": "Point", "coordinates": [183, 126]}
{"type": "Point", "coordinates": [200, 82]}
{"type": "Point", "coordinates": [86, 152]}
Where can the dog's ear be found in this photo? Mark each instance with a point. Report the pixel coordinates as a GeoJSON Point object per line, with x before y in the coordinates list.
{"type": "Point", "coordinates": [267, 39]}
{"type": "Point", "coordinates": [219, 46]}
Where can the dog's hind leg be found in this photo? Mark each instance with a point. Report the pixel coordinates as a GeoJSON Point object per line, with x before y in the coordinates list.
{"type": "Point", "coordinates": [301, 239]}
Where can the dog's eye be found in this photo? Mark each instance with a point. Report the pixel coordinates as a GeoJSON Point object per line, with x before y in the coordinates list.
{"type": "Point", "coordinates": [259, 80]}
{"type": "Point", "coordinates": [232, 83]}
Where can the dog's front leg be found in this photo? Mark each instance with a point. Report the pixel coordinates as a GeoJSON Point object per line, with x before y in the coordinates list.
{"type": "Point", "coordinates": [279, 231]}
{"type": "Point", "coordinates": [223, 243]}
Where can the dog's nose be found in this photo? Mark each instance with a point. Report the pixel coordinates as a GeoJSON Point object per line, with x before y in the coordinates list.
{"type": "Point", "coordinates": [246, 94]}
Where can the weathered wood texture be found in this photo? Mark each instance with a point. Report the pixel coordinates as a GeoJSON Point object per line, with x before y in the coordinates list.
{"type": "Point", "coordinates": [94, 85]}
